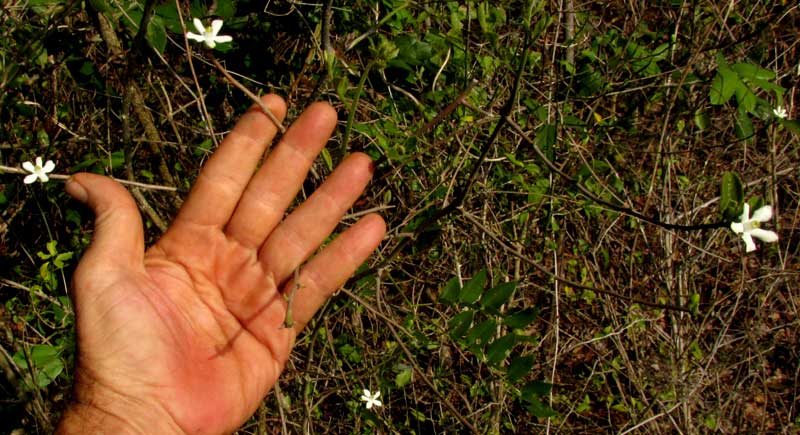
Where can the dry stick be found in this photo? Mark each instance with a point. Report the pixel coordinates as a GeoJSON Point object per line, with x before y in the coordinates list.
{"type": "Point", "coordinates": [447, 403]}
{"type": "Point", "coordinates": [328, 54]}
{"type": "Point", "coordinates": [288, 320]}
{"type": "Point", "coordinates": [201, 100]}
{"type": "Point", "coordinates": [586, 192]}
{"type": "Point", "coordinates": [280, 398]}
{"type": "Point", "coordinates": [458, 199]}
{"type": "Point", "coordinates": [568, 282]}
{"type": "Point", "coordinates": [252, 96]}
{"type": "Point", "coordinates": [137, 99]}
{"type": "Point", "coordinates": [449, 109]}
{"type": "Point", "coordinates": [14, 170]}
{"type": "Point", "coordinates": [461, 191]}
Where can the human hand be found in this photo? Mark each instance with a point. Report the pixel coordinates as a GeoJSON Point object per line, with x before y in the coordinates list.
{"type": "Point", "coordinates": [188, 337]}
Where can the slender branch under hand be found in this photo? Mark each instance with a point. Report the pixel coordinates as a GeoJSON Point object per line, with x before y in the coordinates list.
{"type": "Point", "coordinates": [14, 170]}
{"type": "Point", "coordinates": [252, 96]}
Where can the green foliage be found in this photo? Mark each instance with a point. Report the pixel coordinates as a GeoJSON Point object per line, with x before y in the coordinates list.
{"type": "Point", "coordinates": [54, 261]}
{"type": "Point", "coordinates": [476, 327]}
{"type": "Point", "coordinates": [744, 82]}
{"type": "Point", "coordinates": [42, 364]}
{"type": "Point", "coordinates": [731, 196]}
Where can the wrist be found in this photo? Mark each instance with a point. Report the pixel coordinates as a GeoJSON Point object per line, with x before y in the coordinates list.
{"type": "Point", "coordinates": [102, 411]}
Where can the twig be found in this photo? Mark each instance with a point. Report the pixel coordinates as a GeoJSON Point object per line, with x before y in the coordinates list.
{"type": "Point", "coordinates": [280, 399]}
{"type": "Point", "coordinates": [114, 45]}
{"type": "Point", "coordinates": [351, 116]}
{"type": "Point", "coordinates": [377, 26]}
{"type": "Point", "coordinates": [586, 192]}
{"type": "Point", "coordinates": [118, 180]}
{"type": "Point", "coordinates": [568, 282]}
{"type": "Point", "coordinates": [252, 96]}
{"type": "Point", "coordinates": [288, 321]}
{"type": "Point", "coordinates": [201, 100]}
{"type": "Point", "coordinates": [462, 190]}
{"type": "Point", "coordinates": [450, 107]}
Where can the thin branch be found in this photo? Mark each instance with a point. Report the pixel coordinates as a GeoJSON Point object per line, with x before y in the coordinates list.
{"type": "Point", "coordinates": [252, 96]}
{"type": "Point", "coordinates": [586, 192]}
{"type": "Point", "coordinates": [63, 177]}
{"type": "Point", "coordinates": [570, 283]}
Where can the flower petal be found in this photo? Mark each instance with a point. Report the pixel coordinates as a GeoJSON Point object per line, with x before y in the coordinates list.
{"type": "Point", "coordinates": [38, 162]}
{"type": "Point", "coordinates": [764, 235]}
{"type": "Point", "coordinates": [764, 214]}
{"type": "Point", "coordinates": [215, 26]}
{"type": "Point", "coordinates": [195, 37]}
{"type": "Point", "coordinates": [48, 166]}
{"type": "Point", "coordinates": [28, 166]}
{"type": "Point", "coordinates": [30, 178]}
{"type": "Point", "coordinates": [223, 39]}
{"type": "Point", "coordinates": [43, 177]}
{"type": "Point", "coordinates": [369, 404]}
{"type": "Point", "coordinates": [745, 213]}
{"type": "Point", "coordinates": [748, 241]}
{"type": "Point", "coordinates": [198, 25]}
{"type": "Point", "coordinates": [737, 227]}
{"type": "Point", "coordinates": [377, 403]}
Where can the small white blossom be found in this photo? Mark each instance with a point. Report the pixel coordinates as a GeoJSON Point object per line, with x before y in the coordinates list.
{"type": "Point", "coordinates": [371, 399]}
{"type": "Point", "coordinates": [749, 227]}
{"type": "Point", "coordinates": [38, 171]}
{"type": "Point", "coordinates": [780, 112]}
{"type": "Point", "coordinates": [208, 35]}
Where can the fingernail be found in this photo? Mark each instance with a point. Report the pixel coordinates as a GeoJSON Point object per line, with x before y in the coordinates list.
{"type": "Point", "coordinates": [76, 190]}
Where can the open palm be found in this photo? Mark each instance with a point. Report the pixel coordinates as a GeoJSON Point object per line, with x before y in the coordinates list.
{"type": "Point", "coordinates": [189, 336]}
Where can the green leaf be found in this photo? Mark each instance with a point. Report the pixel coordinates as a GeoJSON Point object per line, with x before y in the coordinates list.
{"type": "Point", "coordinates": [536, 388]}
{"type": "Point", "coordinates": [500, 348]}
{"type": "Point", "coordinates": [226, 9]}
{"type": "Point", "coordinates": [498, 295]}
{"type": "Point", "coordinates": [46, 361]}
{"type": "Point", "coordinates": [326, 157]}
{"type": "Point", "coordinates": [449, 293]}
{"type": "Point", "coordinates": [546, 139]}
{"type": "Point", "coordinates": [743, 126]}
{"type": "Point", "coordinates": [403, 378]}
{"type": "Point", "coordinates": [482, 333]}
{"type": "Point", "coordinates": [61, 258]}
{"type": "Point", "coordinates": [725, 83]}
{"type": "Point", "coordinates": [752, 72]}
{"type": "Point", "coordinates": [521, 319]}
{"type": "Point", "coordinates": [157, 34]}
{"type": "Point", "coordinates": [473, 288]}
{"type": "Point", "coordinates": [459, 324]}
{"type": "Point", "coordinates": [769, 86]}
{"type": "Point", "coordinates": [746, 98]}
{"type": "Point", "coordinates": [791, 124]}
{"type": "Point", "coordinates": [701, 119]}
{"type": "Point", "coordinates": [519, 367]}
{"type": "Point", "coordinates": [539, 409]}
{"type": "Point", "coordinates": [731, 194]}
{"type": "Point", "coordinates": [694, 302]}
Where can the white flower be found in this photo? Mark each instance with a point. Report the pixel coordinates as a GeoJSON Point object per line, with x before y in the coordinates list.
{"type": "Point", "coordinates": [780, 112]}
{"type": "Point", "coordinates": [371, 399]}
{"type": "Point", "coordinates": [38, 171]}
{"type": "Point", "coordinates": [208, 35]}
{"type": "Point", "coordinates": [748, 227]}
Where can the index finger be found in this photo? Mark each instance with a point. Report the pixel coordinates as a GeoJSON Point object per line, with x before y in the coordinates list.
{"type": "Point", "coordinates": [225, 176]}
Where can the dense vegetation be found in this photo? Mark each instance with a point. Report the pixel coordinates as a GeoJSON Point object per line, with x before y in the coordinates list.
{"type": "Point", "coordinates": [558, 179]}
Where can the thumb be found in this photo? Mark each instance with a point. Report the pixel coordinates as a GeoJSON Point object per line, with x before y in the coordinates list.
{"type": "Point", "coordinates": [118, 240]}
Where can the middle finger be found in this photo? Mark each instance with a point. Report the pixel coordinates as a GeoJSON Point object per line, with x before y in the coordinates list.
{"type": "Point", "coordinates": [279, 179]}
